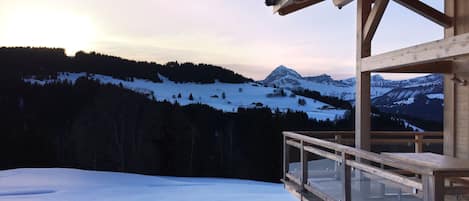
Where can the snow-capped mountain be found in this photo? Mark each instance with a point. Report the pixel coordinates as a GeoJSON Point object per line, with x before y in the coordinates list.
{"type": "Point", "coordinates": [284, 77]}
{"type": "Point", "coordinates": [288, 78]}
{"type": "Point", "coordinates": [393, 96]}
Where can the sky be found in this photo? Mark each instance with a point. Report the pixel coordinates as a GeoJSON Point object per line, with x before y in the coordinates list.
{"type": "Point", "coordinates": [242, 35]}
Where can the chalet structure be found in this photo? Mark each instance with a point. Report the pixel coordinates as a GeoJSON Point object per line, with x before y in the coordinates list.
{"type": "Point", "coordinates": [360, 173]}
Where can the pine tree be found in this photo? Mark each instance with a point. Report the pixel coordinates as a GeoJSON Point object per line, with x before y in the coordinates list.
{"type": "Point", "coordinates": [191, 97]}
{"type": "Point", "coordinates": [301, 102]}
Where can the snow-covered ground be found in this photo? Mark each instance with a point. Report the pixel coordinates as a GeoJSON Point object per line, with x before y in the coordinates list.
{"type": "Point", "coordinates": [79, 185]}
{"type": "Point", "coordinates": [417, 129]}
{"type": "Point", "coordinates": [236, 95]}
{"type": "Point", "coordinates": [437, 96]}
{"type": "Point", "coordinates": [407, 101]}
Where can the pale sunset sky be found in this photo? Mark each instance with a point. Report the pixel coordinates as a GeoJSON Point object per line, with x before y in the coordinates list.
{"type": "Point", "coordinates": [242, 35]}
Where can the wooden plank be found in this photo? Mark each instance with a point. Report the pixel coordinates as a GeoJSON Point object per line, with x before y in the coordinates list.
{"type": "Point", "coordinates": [374, 19]}
{"type": "Point", "coordinates": [363, 98]}
{"type": "Point", "coordinates": [322, 153]}
{"type": "Point", "coordinates": [425, 53]}
{"type": "Point", "coordinates": [406, 133]}
{"type": "Point", "coordinates": [285, 7]}
{"type": "Point", "coordinates": [293, 143]}
{"type": "Point", "coordinates": [427, 12]}
{"type": "Point", "coordinates": [436, 162]}
{"type": "Point", "coordinates": [343, 134]}
{"type": "Point", "coordinates": [293, 178]}
{"type": "Point", "coordinates": [386, 174]}
{"type": "Point", "coordinates": [443, 66]}
{"type": "Point", "coordinates": [341, 3]}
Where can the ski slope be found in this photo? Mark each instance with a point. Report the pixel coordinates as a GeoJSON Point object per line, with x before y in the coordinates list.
{"type": "Point", "coordinates": [80, 185]}
{"type": "Point", "coordinates": [244, 95]}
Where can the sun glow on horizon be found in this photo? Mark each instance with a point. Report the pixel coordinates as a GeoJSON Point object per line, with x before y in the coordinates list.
{"type": "Point", "coordinates": [47, 28]}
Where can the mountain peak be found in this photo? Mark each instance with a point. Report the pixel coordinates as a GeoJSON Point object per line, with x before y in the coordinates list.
{"type": "Point", "coordinates": [282, 72]}
{"type": "Point", "coordinates": [284, 69]}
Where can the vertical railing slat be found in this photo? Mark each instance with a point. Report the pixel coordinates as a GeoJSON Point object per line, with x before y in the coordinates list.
{"type": "Point", "coordinates": [346, 178]}
{"type": "Point", "coordinates": [418, 143]}
{"type": "Point", "coordinates": [286, 158]}
{"type": "Point", "coordinates": [304, 165]}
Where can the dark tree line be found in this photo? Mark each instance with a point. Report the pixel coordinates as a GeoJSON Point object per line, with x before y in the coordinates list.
{"type": "Point", "coordinates": [105, 127]}
{"type": "Point", "coordinates": [22, 61]}
{"type": "Point", "coordinates": [334, 101]}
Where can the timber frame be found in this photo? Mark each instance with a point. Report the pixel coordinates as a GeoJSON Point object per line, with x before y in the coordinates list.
{"type": "Point", "coordinates": [448, 56]}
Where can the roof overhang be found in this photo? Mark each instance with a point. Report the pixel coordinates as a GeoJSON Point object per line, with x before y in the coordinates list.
{"type": "Point", "coordinates": [285, 7]}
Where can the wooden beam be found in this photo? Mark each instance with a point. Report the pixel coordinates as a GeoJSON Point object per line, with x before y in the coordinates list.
{"type": "Point", "coordinates": [385, 174]}
{"type": "Point", "coordinates": [444, 66]}
{"type": "Point", "coordinates": [285, 7]}
{"type": "Point", "coordinates": [341, 3]}
{"type": "Point", "coordinates": [427, 12]}
{"type": "Point", "coordinates": [373, 20]}
{"type": "Point", "coordinates": [439, 50]}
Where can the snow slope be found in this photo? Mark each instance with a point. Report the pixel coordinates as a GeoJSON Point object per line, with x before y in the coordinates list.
{"type": "Point", "coordinates": [80, 185]}
{"type": "Point", "coordinates": [243, 95]}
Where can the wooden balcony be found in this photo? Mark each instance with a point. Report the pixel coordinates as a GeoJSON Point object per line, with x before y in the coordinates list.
{"type": "Point", "coordinates": [329, 170]}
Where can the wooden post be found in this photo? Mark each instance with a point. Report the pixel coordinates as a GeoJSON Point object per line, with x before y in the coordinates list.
{"type": "Point", "coordinates": [433, 188]}
{"type": "Point", "coordinates": [363, 98]}
{"type": "Point", "coordinates": [418, 143]}
{"type": "Point", "coordinates": [449, 110]}
{"type": "Point", "coordinates": [286, 157]}
{"type": "Point", "coordinates": [304, 166]}
{"type": "Point", "coordinates": [346, 178]}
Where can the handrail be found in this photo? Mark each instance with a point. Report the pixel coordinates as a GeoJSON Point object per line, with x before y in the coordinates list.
{"type": "Point", "coordinates": [375, 133]}
{"type": "Point", "coordinates": [347, 156]}
{"type": "Point", "coordinates": [381, 137]}
{"type": "Point", "coordinates": [385, 160]}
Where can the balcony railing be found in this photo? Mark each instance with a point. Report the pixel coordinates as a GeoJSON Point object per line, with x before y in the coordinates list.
{"type": "Point", "coordinates": [356, 173]}
{"type": "Point", "coordinates": [418, 139]}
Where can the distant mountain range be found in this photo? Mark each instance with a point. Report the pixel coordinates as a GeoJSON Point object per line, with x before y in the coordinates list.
{"type": "Point", "coordinates": [224, 89]}
{"type": "Point", "coordinates": [403, 97]}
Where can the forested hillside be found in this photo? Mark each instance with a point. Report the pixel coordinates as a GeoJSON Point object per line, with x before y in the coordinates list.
{"type": "Point", "coordinates": [48, 62]}
{"type": "Point", "coordinates": [106, 127]}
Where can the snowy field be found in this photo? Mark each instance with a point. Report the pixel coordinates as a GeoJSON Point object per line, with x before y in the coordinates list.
{"type": "Point", "coordinates": [80, 185]}
{"type": "Point", "coordinates": [222, 96]}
